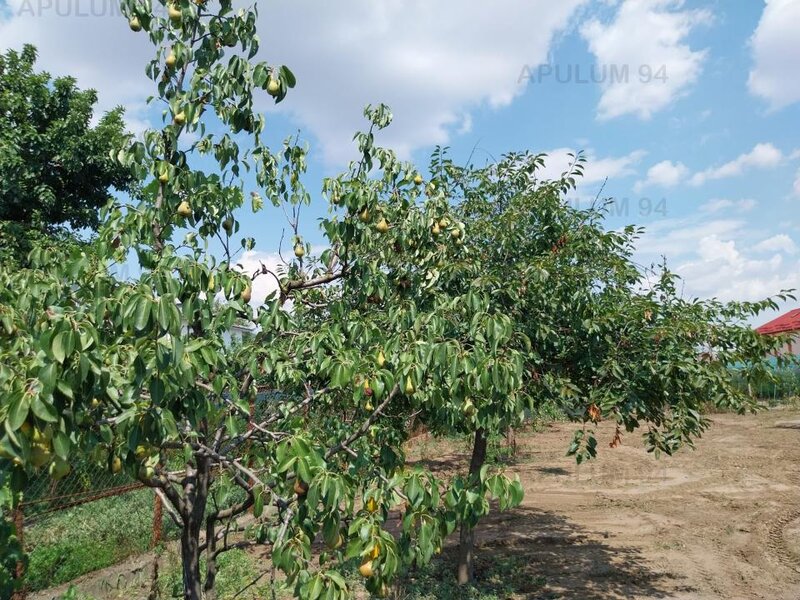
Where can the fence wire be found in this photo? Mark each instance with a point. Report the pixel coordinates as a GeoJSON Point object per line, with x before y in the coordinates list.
{"type": "Point", "coordinates": [84, 483]}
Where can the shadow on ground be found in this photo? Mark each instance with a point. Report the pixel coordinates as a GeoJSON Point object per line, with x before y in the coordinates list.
{"type": "Point", "coordinates": [533, 554]}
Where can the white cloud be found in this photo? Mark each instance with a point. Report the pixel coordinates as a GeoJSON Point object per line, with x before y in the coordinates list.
{"type": "Point", "coordinates": [719, 257]}
{"type": "Point", "coordinates": [664, 174]}
{"type": "Point", "coordinates": [251, 262]}
{"type": "Point", "coordinates": [776, 53]}
{"type": "Point", "coordinates": [722, 270]}
{"type": "Point", "coordinates": [722, 204]}
{"type": "Point", "coordinates": [762, 156]}
{"type": "Point", "coordinates": [679, 237]}
{"type": "Point", "coordinates": [777, 243]}
{"type": "Point", "coordinates": [596, 169]}
{"type": "Point", "coordinates": [796, 186]}
{"type": "Point", "coordinates": [432, 62]}
{"type": "Point", "coordinates": [648, 38]}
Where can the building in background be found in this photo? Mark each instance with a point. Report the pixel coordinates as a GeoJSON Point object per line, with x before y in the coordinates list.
{"type": "Point", "coordinates": [786, 323]}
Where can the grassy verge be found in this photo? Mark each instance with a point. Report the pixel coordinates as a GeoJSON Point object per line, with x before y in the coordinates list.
{"type": "Point", "coordinates": [72, 542]}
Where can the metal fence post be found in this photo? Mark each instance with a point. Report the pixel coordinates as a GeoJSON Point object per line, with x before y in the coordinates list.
{"type": "Point", "coordinates": [158, 513]}
{"type": "Point", "coordinates": [19, 525]}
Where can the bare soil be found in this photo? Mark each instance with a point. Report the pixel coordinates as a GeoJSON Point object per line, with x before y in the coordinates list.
{"type": "Point", "coordinates": [719, 521]}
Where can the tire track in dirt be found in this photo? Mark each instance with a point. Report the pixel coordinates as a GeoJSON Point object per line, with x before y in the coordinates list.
{"type": "Point", "coordinates": [776, 543]}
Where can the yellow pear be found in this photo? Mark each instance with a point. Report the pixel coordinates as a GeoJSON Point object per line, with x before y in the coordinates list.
{"type": "Point", "coordinates": [382, 226]}
{"type": "Point", "coordinates": [179, 119]}
{"type": "Point", "coordinates": [372, 507]}
{"type": "Point", "coordinates": [468, 409]}
{"type": "Point", "coordinates": [376, 550]}
{"type": "Point", "coordinates": [380, 360]}
{"type": "Point", "coordinates": [171, 60]}
{"type": "Point", "coordinates": [135, 24]}
{"type": "Point", "coordinates": [184, 210]}
{"type": "Point", "coordinates": [39, 437]}
{"type": "Point", "coordinates": [366, 569]}
{"type": "Point", "coordinates": [338, 543]}
{"type": "Point", "coordinates": [116, 465]}
{"type": "Point", "coordinates": [40, 454]}
{"type": "Point", "coordinates": [436, 230]}
{"type": "Point", "coordinates": [409, 386]}
{"type": "Point", "coordinates": [175, 14]}
{"type": "Point", "coordinates": [299, 250]}
{"type": "Point", "coordinates": [247, 294]}
{"type": "Point", "coordinates": [418, 179]}
{"type": "Point", "coordinates": [59, 468]}
{"type": "Point", "coordinates": [364, 216]}
{"type": "Point", "coordinates": [455, 233]}
{"type": "Point", "coordinates": [273, 87]}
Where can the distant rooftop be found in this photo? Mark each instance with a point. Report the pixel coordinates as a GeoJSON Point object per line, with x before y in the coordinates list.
{"type": "Point", "coordinates": [785, 323]}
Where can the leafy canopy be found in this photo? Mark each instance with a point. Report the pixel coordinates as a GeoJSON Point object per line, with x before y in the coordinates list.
{"type": "Point", "coordinates": [54, 165]}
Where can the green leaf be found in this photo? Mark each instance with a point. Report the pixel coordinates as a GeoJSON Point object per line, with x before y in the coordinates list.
{"type": "Point", "coordinates": [141, 315]}
{"type": "Point", "coordinates": [44, 410]}
{"type": "Point", "coordinates": [258, 501]}
{"type": "Point", "coordinates": [61, 444]}
{"type": "Point", "coordinates": [18, 411]}
{"type": "Point", "coordinates": [59, 347]}
{"type": "Point", "coordinates": [288, 77]}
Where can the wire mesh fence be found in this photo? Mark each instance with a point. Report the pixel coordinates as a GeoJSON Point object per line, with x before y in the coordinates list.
{"type": "Point", "coordinates": [88, 520]}
{"type": "Point", "coordinates": [85, 483]}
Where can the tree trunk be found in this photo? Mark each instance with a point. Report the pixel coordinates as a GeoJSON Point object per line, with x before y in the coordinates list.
{"type": "Point", "coordinates": [466, 566]}
{"type": "Point", "coordinates": [190, 561]}
{"type": "Point", "coordinates": [211, 558]}
{"type": "Point", "coordinates": [195, 499]}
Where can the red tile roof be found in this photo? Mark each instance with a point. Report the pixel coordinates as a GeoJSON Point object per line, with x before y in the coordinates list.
{"type": "Point", "coordinates": [788, 322]}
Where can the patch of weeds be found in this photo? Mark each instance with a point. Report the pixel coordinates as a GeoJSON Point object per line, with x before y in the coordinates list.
{"type": "Point", "coordinates": [497, 577]}
{"type": "Point", "coordinates": [235, 570]}
{"type": "Point", "coordinates": [73, 593]}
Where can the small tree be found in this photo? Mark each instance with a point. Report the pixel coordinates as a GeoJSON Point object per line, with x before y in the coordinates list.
{"type": "Point", "coordinates": [548, 307]}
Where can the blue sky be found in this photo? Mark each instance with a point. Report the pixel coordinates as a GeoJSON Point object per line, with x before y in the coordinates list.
{"type": "Point", "coordinates": [691, 109]}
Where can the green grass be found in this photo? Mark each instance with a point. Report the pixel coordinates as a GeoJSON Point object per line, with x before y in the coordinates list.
{"type": "Point", "coordinates": [235, 570]}
{"type": "Point", "coordinates": [72, 542]}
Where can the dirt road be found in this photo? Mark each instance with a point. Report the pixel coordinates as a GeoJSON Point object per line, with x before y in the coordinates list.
{"type": "Point", "coordinates": [720, 521]}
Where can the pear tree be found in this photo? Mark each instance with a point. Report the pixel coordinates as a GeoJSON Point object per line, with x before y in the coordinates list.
{"type": "Point", "coordinates": [134, 371]}
{"type": "Point", "coordinates": [546, 307]}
